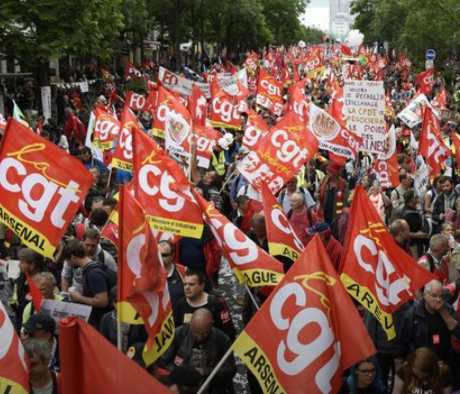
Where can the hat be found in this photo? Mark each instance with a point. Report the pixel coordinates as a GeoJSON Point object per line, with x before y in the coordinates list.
{"type": "Point", "coordinates": [244, 150]}
{"type": "Point", "coordinates": [319, 227]}
{"type": "Point", "coordinates": [135, 353]}
{"type": "Point", "coordinates": [40, 322]}
{"type": "Point", "coordinates": [184, 375]}
{"type": "Point", "coordinates": [334, 167]}
{"type": "Point", "coordinates": [229, 137]}
{"type": "Point", "coordinates": [223, 143]}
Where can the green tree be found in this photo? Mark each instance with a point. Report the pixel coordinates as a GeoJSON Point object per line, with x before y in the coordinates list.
{"type": "Point", "coordinates": [33, 31]}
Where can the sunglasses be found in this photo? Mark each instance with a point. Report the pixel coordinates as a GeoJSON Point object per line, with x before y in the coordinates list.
{"type": "Point", "coordinates": [367, 371]}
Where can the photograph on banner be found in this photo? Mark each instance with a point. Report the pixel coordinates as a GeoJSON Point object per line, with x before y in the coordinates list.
{"type": "Point", "coordinates": [412, 115]}
{"type": "Point", "coordinates": [364, 107]}
{"type": "Point", "coordinates": [177, 133]}
{"type": "Point", "coordinates": [60, 310]}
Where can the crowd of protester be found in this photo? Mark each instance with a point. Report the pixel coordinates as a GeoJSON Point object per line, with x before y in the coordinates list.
{"type": "Point", "coordinates": [423, 358]}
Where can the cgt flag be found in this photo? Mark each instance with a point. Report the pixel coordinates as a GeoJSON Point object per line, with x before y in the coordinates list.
{"type": "Point", "coordinates": [41, 188]}
{"type": "Point", "coordinates": [106, 130]}
{"type": "Point", "coordinates": [250, 263]}
{"type": "Point", "coordinates": [312, 332]}
{"type": "Point", "coordinates": [85, 352]}
{"type": "Point", "coordinates": [142, 278]}
{"type": "Point", "coordinates": [425, 81]}
{"type": "Point", "coordinates": [163, 190]}
{"type": "Point", "coordinates": [375, 270]}
{"type": "Point", "coordinates": [282, 240]}
{"type": "Point", "coordinates": [14, 371]}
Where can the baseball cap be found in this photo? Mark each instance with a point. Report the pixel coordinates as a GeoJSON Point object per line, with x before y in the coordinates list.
{"type": "Point", "coordinates": [223, 143]}
{"type": "Point", "coordinates": [244, 150]}
{"type": "Point", "coordinates": [319, 227]}
{"type": "Point", "coordinates": [40, 322]}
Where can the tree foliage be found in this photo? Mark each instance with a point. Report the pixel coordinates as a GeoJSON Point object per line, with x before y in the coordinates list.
{"type": "Point", "coordinates": [411, 25]}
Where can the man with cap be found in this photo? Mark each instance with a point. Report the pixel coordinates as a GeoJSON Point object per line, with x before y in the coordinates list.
{"type": "Point", "coordinates": [218, 159]}
{"type": "Point", "coordinates": [333, 247]}
{"type": "Point", "coordinates": [43, 327]}
{"type": "Point", "coordinates": [334, 192]}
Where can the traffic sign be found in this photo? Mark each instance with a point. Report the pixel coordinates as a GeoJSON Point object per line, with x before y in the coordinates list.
{"type": "Point", "coordinates": [430, 54]}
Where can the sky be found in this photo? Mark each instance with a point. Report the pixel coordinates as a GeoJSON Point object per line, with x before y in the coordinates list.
{"type": "Point", "coordinates": [317, 14]}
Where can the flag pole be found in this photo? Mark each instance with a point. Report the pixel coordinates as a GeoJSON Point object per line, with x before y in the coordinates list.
{"type": "Point", "coordinates": [227, 180]}
{"type": "Point", "coordinates": [119, 338]}
{"type": "Point", "coordinates": [108, 181]}
{"type": "Point", "coordinates": [252, 296]}
{"type": "Point", "coordinates": [214, 371]}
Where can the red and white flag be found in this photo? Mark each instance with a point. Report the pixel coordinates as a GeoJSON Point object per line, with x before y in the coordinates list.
{"type": "Point", "coordinates": [178, 129]}
{"type": "Point", "coordinates": [206, 139]}
{"type": "Point", "coordinates": [106, 130]}
{"type": "Point", "coordinates": [224, 109]}
{"type": "Point", "coordinates": [307, 332]}
{"type": "Point", "coordinates": [131, 71]}
{"type": "Point", "coordinates": [374, 269]}
{"type": "Point", "coordinates": [197, 106]}
{"type": "Point", "coordinates": [162, 109]}
{"type": "Point", "coordinates": [137, 102]}
{"type": "Point", "coordinates": [42, 187]}
{"type": "Point", "coordinates": [269, 93]}
{"type": "Point", "coordinates": [142, 278]}
{"type": "Point", "coordinates": [280, 154]}
{"type": "Point", "coordinates": [440, 101]}
{"type": "Point", "coordinates": [256, 129]}
{"type": "Point", "coordinates": [386, 165]}
{"type": "Point", "coordinates": [163, 190]}
{"type": "Point", "coordinates": [251, 264]}
{"type": "Point", "coordinates": [425, 81]}
{"type": "Point", "coordinates": [431, 145]}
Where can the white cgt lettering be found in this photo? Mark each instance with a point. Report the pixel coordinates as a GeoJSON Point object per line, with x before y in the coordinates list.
{"type": "Point", "coordinates": [306, 354]}
{"type": "Point", "coordinates": [280, 221]}
{"type": "Point", "coordinates": [387, 293]}
{"type": "Point", "coordinates": [126, 143]}
{"type": "Point", "coordinates": [289, 151]}
{"type": "Point", "coordinates": [37, 192]}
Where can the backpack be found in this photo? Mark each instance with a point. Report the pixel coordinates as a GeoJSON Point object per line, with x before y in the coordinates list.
{"type": "Point", "coordinates": [309, 215]}
{"type": "Point", "coordinates": [111, 277]}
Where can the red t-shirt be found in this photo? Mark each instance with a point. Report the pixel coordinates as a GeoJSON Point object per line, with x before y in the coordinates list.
{"type": "Point", "coordinates": [300, 223]}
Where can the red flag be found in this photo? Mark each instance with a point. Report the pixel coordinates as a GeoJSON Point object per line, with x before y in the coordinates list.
{"type": "Point", "coordinates": [2, 124]}
{"type": "Point", "coordinates": [431, 143]}
{"type": "Point", "coordinates": [456, 141]}
{"type": "Point", "coordinates": [83, 351]}
{"type": "Point", "coordinates": [250, 263]}
{"type": "Point", "coordinates": [386, 165]}
{"type": "Point", "coordinates": [311, 331]}
{"type": "Point", "coordinates": [282, 240]}
{"type": "Point", "coordinates": [37, 297]}
{"type": "Point", "coordinates": [177, 129]}
{"type": "Point", "coordinates": [256, 129]}
{"type": "Point", "coordinates": [132, 71]}
{"type": "Point", "coordinates": [163, 190]}
{"type": "Point", "coordinates": [42, 187]}
{"type": "Point", "coordinates": [197, 106]}
{"type": "Point", "coordinates": [165, 98]}
{"type": "Point", "coordinates": [254, 206]}
{"type": "Point", "coordinates": [14, 371]}
{"type": "Point", "coordinates": [106, 129]}
{"type": "Point", "coordinates": [224, 112]}
{"type": "Point", "coordinates": [425, 81]}
{"type": "Point", "coordinates": [137, 102]}
{"type": "Point", "coordinates": [375, 270]}
{"type": "Point", "coordinates": [77, 101]}
{"type": "Point", "coordinates": [142, 278]}
{"type": "Point", "coordinates": [440, 101]}
{"type": "Point", "coordinates": [123, 154]}
{"type": "Point", "coordinates": [269, 93]}
{"type": "Point", "coordinates": [206, 139]}
{"type": "Point", "coordinates": [346, 51]}
{"type": "Point", "coordinates": [251, 64]}
{"type": "Point", "coordinates": [280, 154]}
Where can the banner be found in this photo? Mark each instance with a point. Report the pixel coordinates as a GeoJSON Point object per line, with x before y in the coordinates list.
{"type": "Point", "coordinates": [421, 178]}
{"type": "Point", "coordinates": [256, 129]}
{"type": "Point", "coordinates": [375, 270]}
{"type": "Point", "coordinates": [61, 310]}
{"type": "Point", "coordinates": [307, 332]}
{"type": "Point", "coordinates": [282, 240]}
{"type": "Point", "coordinates": [123, 155]}
{"type": "Point", "coordinates": [14, 371]}
{"type": "Point", "coordinates": [412, 115]}
{"type": "Point", "coordinates": [280, 154]}
{"type": "Point", "coordinates": [177, 129]}
{"type": "Point", "coordinates": [331, 135]}
{"type": "Point", "coordinates": [251, 264]}
{"type": "Point", "coordinates": [364, 106]}
{"type": "Point", "coordinates": [425, 82]}
{"type": "Point", "coordinates": [42, 187]}
{"type": "Point", "coordinates": [142, 278]}
{"type": "Point", "coordinates": [163, 190]}
{"type": "Point", "coordinates": [269, 93]}
{"type": "Point", "coordinates": [106, 130]}
{"type": "Point", "coordinates": [137, 102]}
{"type": "Point", "coordinates": [181, 85]}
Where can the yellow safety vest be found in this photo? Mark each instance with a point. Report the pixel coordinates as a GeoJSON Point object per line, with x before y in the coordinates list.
{"type": "Point", "coordinates": [219, 164]}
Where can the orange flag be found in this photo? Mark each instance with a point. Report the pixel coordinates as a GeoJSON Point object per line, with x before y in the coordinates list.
{"type": "Point", "coordinates": [85, 352]}
{"type": "Point", "coordinates": [224, 110]}
{"type": "Point", "coordinates": [41, 188]}
{"type": "Point", "coordinates": [250, 263]}
{"type": "Point", "coordinates": [282, 240]}
{"type": "Point", "coordinates": [375, 270]}
{"type": "Point", "coordinates": [37, 297]}
{"type": "Point", "coordinates": [311, 331]}
{"type": "Point", "coordinates": [14, 370]}
{"type": "Point", "coordinates": [106, 129]}
{"type": "Point", "coordinates": [142, 278]}
{"type": "Point", "coordinates": [163, 190]}
{"type": "Point", "coordinates": [431, 144]}
{"type": "Point", "coordinates": [386, 165]}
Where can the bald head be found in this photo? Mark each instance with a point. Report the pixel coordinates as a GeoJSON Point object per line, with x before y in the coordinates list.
{"type": "Point", "coordinates": [201, 324]}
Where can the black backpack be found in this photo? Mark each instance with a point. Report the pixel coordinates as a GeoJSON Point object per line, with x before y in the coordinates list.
{"type": "Point", "coordinates": [111, 277]}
